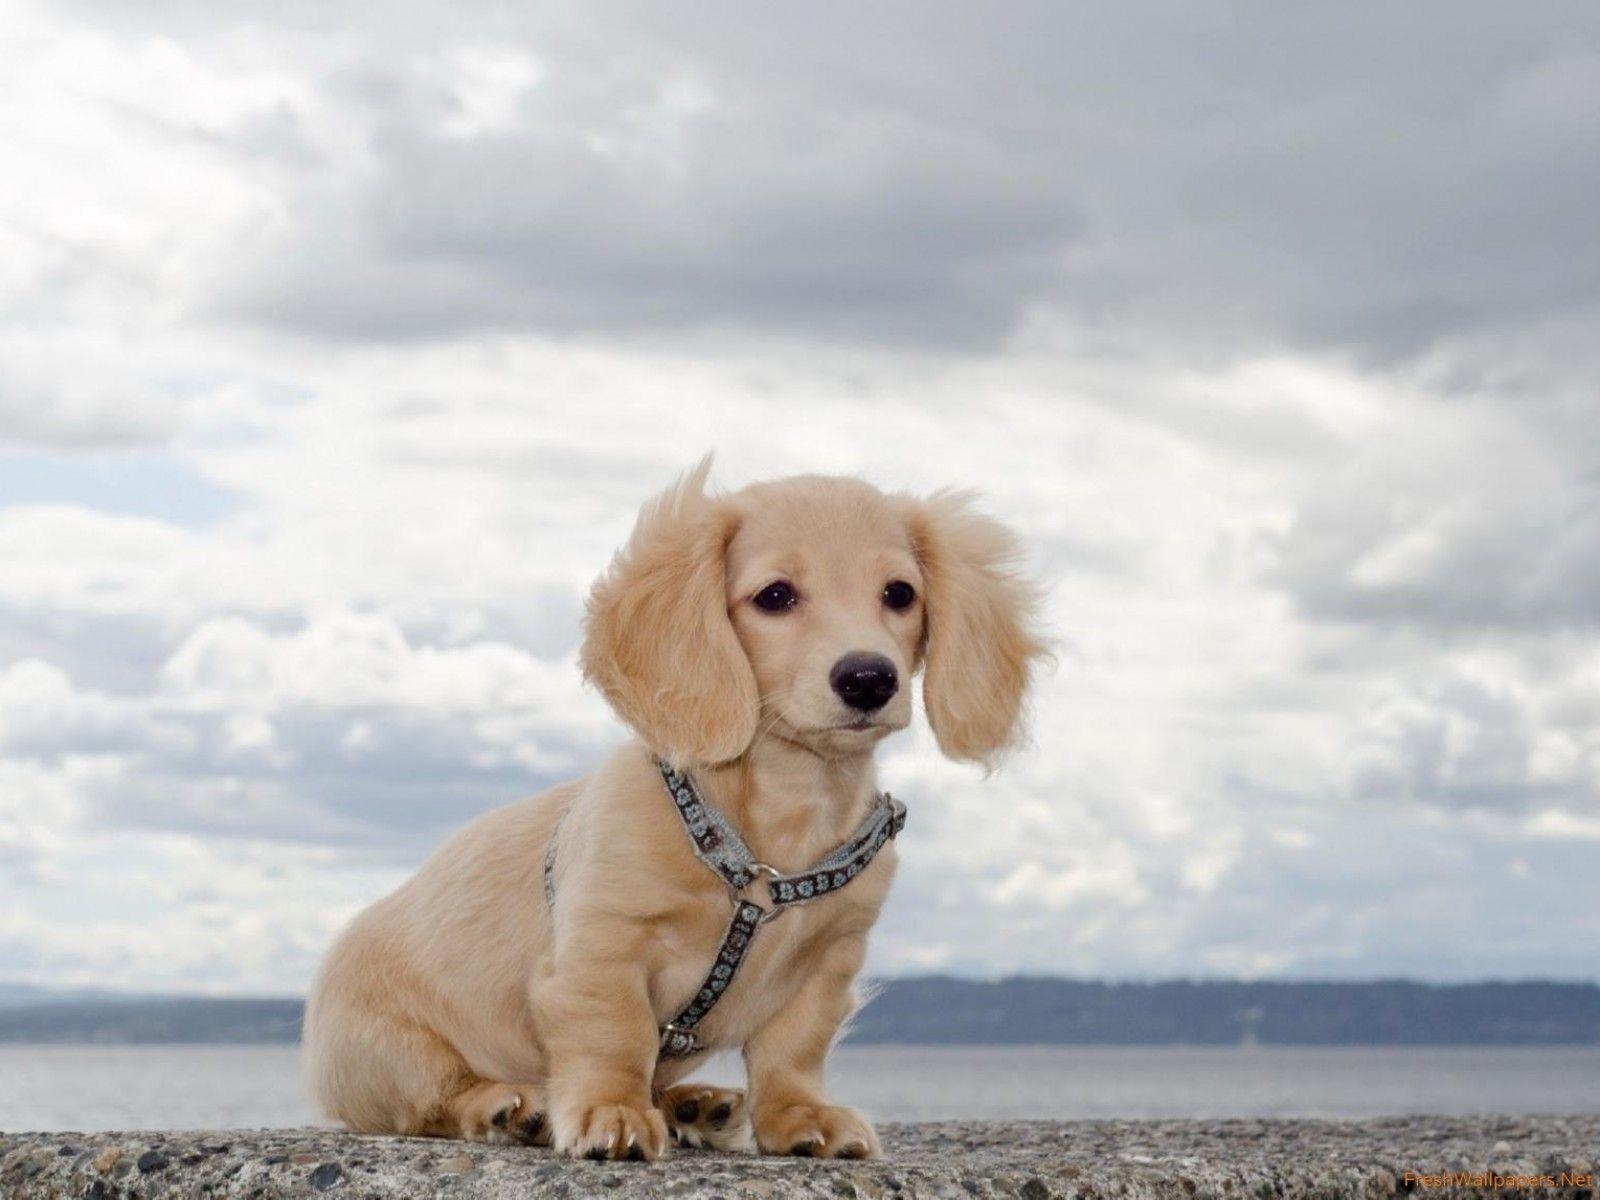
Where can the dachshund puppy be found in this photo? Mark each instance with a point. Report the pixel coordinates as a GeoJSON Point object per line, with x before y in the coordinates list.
{"type": "Point", "coordinates": [760, 645]}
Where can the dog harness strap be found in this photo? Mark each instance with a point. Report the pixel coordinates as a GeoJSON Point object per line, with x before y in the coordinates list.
{"type": "Point", "coordinates": [885, 821]}
{"type": "Point", "coordinates": [718, 844]}
{"type": "Point", "coordinates": [678, 1036]}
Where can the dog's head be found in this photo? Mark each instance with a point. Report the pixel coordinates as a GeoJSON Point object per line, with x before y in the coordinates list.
{"type": "Point", "coordinates": [801, 609]}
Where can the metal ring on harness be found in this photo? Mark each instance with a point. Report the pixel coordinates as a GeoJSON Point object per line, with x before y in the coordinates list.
{"type": "Point", "coordinates": [772, 910]}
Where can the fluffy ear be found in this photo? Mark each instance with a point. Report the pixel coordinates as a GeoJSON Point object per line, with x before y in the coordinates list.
{"type": "Point", "coordinates": [979, 645]}
{"type": "Point", "coordinates": [658, 643]}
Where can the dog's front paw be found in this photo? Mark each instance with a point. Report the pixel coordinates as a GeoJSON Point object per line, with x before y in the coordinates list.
{"type": "Point", "coordinates": [815, 1131]}
{"type": "Point", "coordinates": [613, 1131]}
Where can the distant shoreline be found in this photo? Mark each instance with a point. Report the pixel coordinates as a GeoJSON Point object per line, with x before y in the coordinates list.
{"type": "Point", "coordinates": [936, 1010]}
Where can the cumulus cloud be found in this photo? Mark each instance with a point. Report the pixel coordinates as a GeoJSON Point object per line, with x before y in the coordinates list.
{"type": "Point", "coordinates": [929, 176]}
{"type": "Point", "coordinates": [1270, 329]}
{"type": "Point", "coordinates": [341, 731]}
{"type": "Point", "coordinates": [1486, 731]}
{"type": "Point", "coordinates": [1459, 513]}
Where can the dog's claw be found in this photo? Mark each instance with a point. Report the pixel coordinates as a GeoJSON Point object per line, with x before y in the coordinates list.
{"type": "Point", "coordinates": [499, 1112]}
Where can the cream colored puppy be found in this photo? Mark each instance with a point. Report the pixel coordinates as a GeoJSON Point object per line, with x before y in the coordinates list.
{"type": "Point", "coordinates": [763, 642]}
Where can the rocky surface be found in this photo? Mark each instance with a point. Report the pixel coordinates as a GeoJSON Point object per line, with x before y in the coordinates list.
{"type": "Point", "coordinates": [1031, 1160]}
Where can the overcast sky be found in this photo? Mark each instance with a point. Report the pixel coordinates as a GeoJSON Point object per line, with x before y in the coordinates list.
{"type": "Point", "coordinates": [335, 359]}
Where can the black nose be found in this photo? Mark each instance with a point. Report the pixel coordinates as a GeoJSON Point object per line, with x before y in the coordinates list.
{"type": "Point", "coordinates": [864, 681]}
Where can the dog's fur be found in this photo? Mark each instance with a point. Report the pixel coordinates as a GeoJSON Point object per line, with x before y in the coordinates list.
{"type": "Point", "coordinates": [460, 1007]}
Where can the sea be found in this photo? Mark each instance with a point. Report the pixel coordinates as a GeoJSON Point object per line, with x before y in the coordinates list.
{"type": "Point", "coordinates": [89, 1087]}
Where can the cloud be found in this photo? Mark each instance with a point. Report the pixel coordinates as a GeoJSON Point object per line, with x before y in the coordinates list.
{"type": "Point", "coordinates": [335, 363]}
{"type": "Point", "coordinates": [1241, 178]}
{"type": "Point", "coordinates": [47, 406]}
{"type": "Point", "coordinates": [1486, 730]}
{"type": "Point", "coordinates": [186, 914]}
{"type": "Point", "coordinates": [1457, 513]}
{"type": "Point", "coordinates": [598, 200]}
{"type": "Point", "coordinates": [341, 732]}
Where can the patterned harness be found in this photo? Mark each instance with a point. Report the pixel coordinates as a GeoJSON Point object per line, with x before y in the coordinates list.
{"type": "Point", "coordinates": [718, 845]}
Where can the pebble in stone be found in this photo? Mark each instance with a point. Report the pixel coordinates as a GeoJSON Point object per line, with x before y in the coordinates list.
{"type": "Point", "coordinates": [23, 1167]}
{"type": "Point", "coordinates": [328, 1175]}
{"type": "Point", "coordinates": [151, 1161]}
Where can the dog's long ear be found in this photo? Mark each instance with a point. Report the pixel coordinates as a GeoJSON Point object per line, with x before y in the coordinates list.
{"type": "Point", "coordinates": [979, 648]}
{"type": "Point", "coordinates": [658, 643]}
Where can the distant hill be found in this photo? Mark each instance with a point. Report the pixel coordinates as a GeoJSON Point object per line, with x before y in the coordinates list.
{"type": "Point", "coordinates": [15, 995]}
{"type": "Point", "coordinates": [1044, 1010]}
{"type": "Point", "coordinates": [153, 1019]}
{"type": "Point", "coordinates": [1018, 1011]}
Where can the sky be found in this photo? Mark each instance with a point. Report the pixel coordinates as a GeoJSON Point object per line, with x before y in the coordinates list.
{"type": "Point", "coordinates": [339, 346]}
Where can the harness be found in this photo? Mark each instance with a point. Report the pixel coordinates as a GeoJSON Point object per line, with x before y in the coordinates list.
{"type": "Point", "coordinates": [718, 845]}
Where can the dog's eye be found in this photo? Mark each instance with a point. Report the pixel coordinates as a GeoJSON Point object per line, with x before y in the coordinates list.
{"type": "Point", "coordinates": [899, 595]}
{"type": "Point", "coordinates": [776, 597]}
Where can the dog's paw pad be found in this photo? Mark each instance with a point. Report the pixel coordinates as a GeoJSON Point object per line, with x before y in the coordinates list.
{"type": "Point", "coordinates": [702, 1115]}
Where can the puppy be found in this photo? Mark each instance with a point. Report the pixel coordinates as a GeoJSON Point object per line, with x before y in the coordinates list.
{"type": "Point", "coordinates": [760, 645]}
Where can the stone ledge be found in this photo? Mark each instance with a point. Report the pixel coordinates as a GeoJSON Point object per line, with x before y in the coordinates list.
{"type": "Point", "coordinates": [1032, 1160]}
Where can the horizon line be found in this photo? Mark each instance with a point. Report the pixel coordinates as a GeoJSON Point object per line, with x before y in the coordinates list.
{"type": "Point", "coordinates": [68, 993]}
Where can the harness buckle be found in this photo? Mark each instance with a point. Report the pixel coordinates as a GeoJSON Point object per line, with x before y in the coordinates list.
{"type": "Point", "coordinates": [772, 910]}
